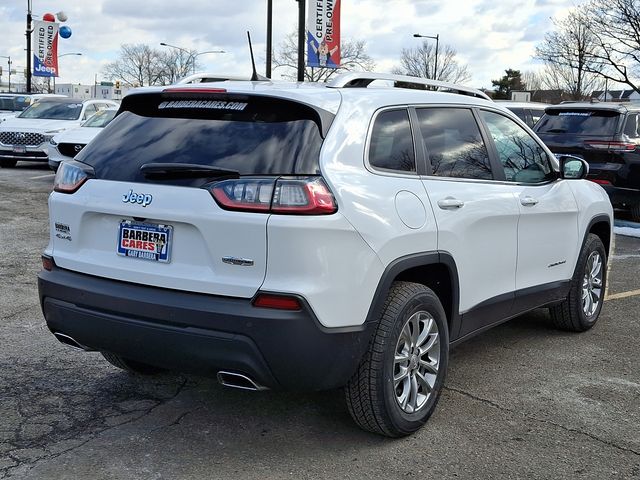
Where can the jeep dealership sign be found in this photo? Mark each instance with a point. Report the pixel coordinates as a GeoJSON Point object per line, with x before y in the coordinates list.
{"type": "Point", "coordinates": [45, 49]}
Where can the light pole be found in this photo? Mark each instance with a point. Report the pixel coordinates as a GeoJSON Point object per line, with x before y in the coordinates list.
{"type": "Point", "coordinates": [59, 57]}
{"type": "Point", "coordinates": [9, 61]}
{"type": "Point", "coordinates": [28, 34]}
{"type": "Point", "coordinates": [192, 56]}
{"type": "Point", "coordinates": [435, 63]}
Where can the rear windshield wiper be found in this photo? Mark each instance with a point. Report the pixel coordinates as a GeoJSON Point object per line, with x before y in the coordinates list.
{"type": "Point", "coordinates": [185, 170]}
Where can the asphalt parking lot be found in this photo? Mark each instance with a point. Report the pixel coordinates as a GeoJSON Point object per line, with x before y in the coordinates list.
{"type": "Point", "coordinates": [522, 401]}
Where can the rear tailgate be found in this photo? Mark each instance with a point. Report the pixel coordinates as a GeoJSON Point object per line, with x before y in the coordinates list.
{"type": "Point", "coordinates": [585, 133]}
{"type": "Point", "coordinates": [85, 238]}
{"type": "Point", "coordinates": [163, 227]}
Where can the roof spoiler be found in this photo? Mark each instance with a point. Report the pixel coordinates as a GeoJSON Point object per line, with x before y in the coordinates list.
{"type": "Point", "coordinates": [364, 79]}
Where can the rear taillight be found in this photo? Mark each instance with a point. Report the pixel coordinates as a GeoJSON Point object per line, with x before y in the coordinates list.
{"type": "Point", "coordinates": [286, 195]}
{"type": "Point", "coordinates": [610, 146]}
{"type": "Point", "coordinates": [600, 182]}
{"type": "Point", "coordinates": [278, 302]}
{"type": "Point", "coordinates": [47, 263]}
{"type": "Point", "coordinates": [70, 177]}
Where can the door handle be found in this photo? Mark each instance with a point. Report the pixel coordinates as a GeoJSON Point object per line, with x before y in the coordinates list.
{"type": "Point", "coordinates": [528, 201]}
{"type": "Point", "coordinates": [450, 203]}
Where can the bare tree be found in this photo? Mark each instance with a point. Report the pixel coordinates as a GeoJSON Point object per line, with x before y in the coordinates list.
{"type": "Point", "coordinates": [353, 55]}
{"type": "Point", "coordinates": [615, 25]}
{"type": "Point", "coordinates": [175, 64]}
{"type": "Point", "coordinates": [533, 80]}
{"type": "Point", "coordinates": [420, 62]}
{"type": "Point", "coordinates": [137, 65]}
{"type": "Point", "coordinates": [568, 54]}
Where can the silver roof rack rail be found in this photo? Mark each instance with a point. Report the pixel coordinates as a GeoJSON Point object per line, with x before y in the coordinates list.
{"type": "Point", "coordinates": [363, 79]}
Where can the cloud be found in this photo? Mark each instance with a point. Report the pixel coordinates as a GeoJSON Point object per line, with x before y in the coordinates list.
{"type": "Point", "coordinates": [489, 35]}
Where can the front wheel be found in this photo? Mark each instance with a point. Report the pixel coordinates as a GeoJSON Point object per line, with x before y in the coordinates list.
{"type": "Point", "coordinates": [581, 309]}
{"type": "Point", "coordinates": [398, 382]}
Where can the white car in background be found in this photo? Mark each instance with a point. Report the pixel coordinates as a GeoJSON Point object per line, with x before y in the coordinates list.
{"type": "Point", "coordinates": [26, 137]}
{"type": "Point", "coordinates": [68, 144]}
{"type": "Point", "coordinates": [12, 104]}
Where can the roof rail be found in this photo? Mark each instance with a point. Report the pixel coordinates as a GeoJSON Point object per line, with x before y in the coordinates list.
{"type": "Point", "coordinates": [363, 79]}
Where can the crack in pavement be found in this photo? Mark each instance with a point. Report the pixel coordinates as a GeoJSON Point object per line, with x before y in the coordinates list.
{"type": "Point", "coordinates": [542, 420]}
{"type": "Point", "coordinates": [6, 472]}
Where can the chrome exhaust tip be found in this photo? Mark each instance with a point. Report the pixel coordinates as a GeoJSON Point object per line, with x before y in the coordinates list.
{"type": "Point", "coordinates": [72, 342]}
{"type": "Point", "coordinates": [237, 380]}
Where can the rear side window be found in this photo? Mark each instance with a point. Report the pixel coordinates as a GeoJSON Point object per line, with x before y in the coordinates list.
{"type": "Point", "coordinates": [454, 143]}
{"type": "Point", "coordinates": [579, 122]}
{"type": "Point", "coordinates": [251, 135]}
{"type": "Point", "coordinates": [391, 146]}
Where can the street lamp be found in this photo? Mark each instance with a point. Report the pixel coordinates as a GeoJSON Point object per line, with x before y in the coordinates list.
{"type": "Point", "coordinates": [435, 63]}
{"type": "Point", "coordinates": [9, 61]}
{"type": "Point", "coordinates": [59, 57]}
{"type": "Point", "coordinates": [192, 56]}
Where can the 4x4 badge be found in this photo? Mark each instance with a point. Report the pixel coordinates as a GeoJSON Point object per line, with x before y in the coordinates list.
{"type": "Point", "coordinates": [143, 199]}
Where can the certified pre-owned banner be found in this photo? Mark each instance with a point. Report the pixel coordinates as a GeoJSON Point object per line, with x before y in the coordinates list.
{"type": "Point", "coordinates": [323, 33]}
{"type": "Point", "coordinates": [45, 49]}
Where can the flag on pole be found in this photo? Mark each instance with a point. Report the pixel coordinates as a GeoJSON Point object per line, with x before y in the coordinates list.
{"type": "Point", "coordinates": [323, 34]}
{"type": "Point", "coordinates": [45, 49]}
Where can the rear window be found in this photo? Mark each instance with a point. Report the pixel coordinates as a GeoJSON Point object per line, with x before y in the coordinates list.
{"type": "Point", "coordinates": [579, 122]}
{"type": "Point", "coordinates": [250, 134]}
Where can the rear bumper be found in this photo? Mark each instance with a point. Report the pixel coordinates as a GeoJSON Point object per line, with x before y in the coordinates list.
{"type": "Point", "coordinates": [198, 333]}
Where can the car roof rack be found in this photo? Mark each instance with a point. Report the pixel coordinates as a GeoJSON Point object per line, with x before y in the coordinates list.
{"type": "Point", "coordinates": [364, 79]}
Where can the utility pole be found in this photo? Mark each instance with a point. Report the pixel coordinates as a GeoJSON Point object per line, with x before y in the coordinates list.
{"type": "Point", "coordinates": [269, 36]}
{"type": "Point", "coordinates": [28, 34]}
{"type": "Point", "coordinates": [301, 39]}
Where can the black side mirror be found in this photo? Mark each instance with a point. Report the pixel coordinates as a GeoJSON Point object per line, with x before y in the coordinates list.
{"type": "Point", "coordinates": [573, 168]}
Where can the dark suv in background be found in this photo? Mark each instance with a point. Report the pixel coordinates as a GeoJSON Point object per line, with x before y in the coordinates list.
{"type": "Point", "coordinates": [606, 136]}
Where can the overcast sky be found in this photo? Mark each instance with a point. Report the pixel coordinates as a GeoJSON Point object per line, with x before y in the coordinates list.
{"type": "Point", "coordinates": [489, 35]}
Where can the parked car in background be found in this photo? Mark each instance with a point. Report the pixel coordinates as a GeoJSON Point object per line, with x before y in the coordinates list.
{"type": "Point", "coordinates": [26, 137]}
{"type": "Point", "coordinates": [11, 104]}
{"type": "Point", "coordinates": [606, 136]}
{"type": "Point", "coordinates": [528, 112]}
{"type": "Point", "coordinates": [69, 143]}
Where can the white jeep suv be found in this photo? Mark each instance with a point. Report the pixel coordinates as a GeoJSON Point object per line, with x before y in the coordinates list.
{"type": "Point", "coordinates": [306, 236]}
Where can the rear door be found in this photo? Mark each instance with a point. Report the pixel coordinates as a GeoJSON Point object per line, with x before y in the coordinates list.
{"type": "Point", "coordinates": [164, 227]}
{"type": "Point", "coordinates": [477, 216]}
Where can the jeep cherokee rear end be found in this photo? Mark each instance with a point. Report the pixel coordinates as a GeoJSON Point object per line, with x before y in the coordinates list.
{"type": "Point", "coordinates": [163, 229]}
{"type": "Point", "coordinates": [607, 137]}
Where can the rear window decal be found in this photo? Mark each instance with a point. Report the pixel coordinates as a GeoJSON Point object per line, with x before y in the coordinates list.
{"type": "Point", "coordinates": [213, 105]}
{"type": "Point", "coordinates": [575, 114]}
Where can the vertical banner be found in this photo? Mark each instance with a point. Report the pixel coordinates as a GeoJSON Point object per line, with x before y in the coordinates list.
{"type": "Point", "coordinates": [323, 33]}
{"type": "Point", "coordinates": [45, 49]}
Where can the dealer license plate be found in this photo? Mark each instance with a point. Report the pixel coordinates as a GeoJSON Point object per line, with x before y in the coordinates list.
{"type": "Point", "coordinates": [19, 149]}
{"type": "Point", "coordinates": [147, 241]}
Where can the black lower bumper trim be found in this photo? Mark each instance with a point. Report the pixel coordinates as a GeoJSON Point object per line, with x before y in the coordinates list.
{"type": "Point", "coordinates": [199, 333]}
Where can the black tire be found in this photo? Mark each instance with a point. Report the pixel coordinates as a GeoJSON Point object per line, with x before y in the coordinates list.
{"type": "Point", "coordinates": [131, 366]}
{"type": "Point", "coordinates": [371, 394]}
{"type": "Point", "coordinates": [570, 315]}
{"type": "Point", "coordinates": [7, 163]}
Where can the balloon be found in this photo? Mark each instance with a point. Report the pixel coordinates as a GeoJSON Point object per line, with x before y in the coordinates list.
{"type": "Point", "coordinates": [62, 17]}
{"type": "Point", "coordinates": [49, 17]}
{"type": "Point", "coordinates": [65, 32]}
